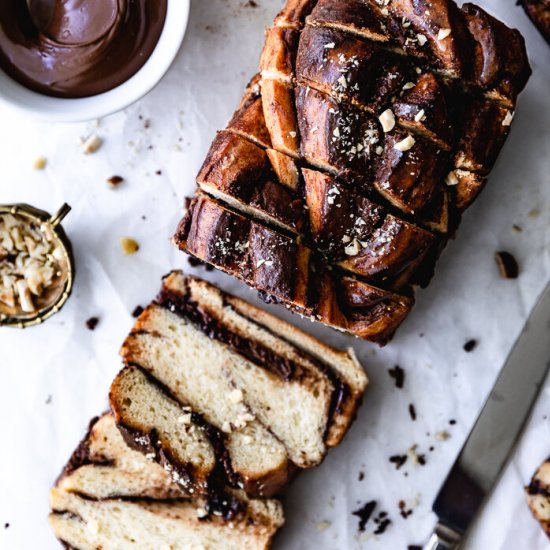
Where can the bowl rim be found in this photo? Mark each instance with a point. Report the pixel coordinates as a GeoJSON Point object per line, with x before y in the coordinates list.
{"type": "Point", "coordinates": [54, 109]}
{"type": "Point", "coordinates": [53, 224]}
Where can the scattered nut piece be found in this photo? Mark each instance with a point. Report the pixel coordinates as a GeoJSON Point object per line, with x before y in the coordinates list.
{"type": "Point", "coordinates": [353, 248]}
{"type": "Point", "coordinates": [236, 396]}
{"type": "Point", "coordinates": [405, 144]}
{"type": "Point", "coordinates": [420, 116]}
{"type": "Point", "coordinates": [128, 245]}
{"type": "Point", "coordinates": [507, 265]}
{"type": "Point", "coordinates": [330, 45]}
{"type": "Point", "coordinates": [92, 144]}
{"type": "Point", "coordinates": [387, 120]}
{"type": "Point", "coordinates": [443, 33]}
{"type": "Point", "coordinates": [40, 163]}
{"type": "Point", "coordinates": [451, 179]}
{"type": "Point", "coordinates": [114, 181]}
{"type": "Point", "coordinates": [508, 118]}
{"type": "Point", "coordinates": [421, 39]}
{"type": "Point", "coordinates": [201, 513]}
{"type": "Point", "coordinates": [185, 419]}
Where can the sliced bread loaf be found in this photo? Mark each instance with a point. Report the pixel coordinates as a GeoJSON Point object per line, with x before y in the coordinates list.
{"type": "Point", "coordinates": [112, 497]}
{"type": "Point", "coordinates": [268, 397]}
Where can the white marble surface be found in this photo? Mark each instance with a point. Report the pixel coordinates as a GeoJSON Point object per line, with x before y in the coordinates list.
{"type": "Point", "coordinates": [55, 377]}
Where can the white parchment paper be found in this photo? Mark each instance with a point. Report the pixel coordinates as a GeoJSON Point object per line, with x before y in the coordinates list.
{"type": "Point", "coordinates": [54, 378]}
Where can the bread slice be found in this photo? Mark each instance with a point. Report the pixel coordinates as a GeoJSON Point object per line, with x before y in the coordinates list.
{"type": "Point", "coordinates": [104, 467]}
{"type": "Point", "coordinates": [288, 272]}
{"type": "Point", "coordinates": [269, 405]}
{"type": "Point", "coordinates": [163, 429]}
{"type": "Point", "coordinates": [83, 524]}
{"type": "Point", "coordinates": [110, 496]}
{"type": "Point", "coordinates": [538, 496]}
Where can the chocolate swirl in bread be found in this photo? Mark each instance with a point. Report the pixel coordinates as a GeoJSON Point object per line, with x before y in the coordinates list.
{"type": "Point", "coordinates": [372, 126]}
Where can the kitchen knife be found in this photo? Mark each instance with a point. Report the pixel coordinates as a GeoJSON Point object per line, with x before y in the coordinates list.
{"type": "Point", "coordinates": [495, 432]}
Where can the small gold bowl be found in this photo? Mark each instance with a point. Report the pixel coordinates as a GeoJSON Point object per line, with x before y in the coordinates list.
{"type": "Point", "coordinates": [59, 291]}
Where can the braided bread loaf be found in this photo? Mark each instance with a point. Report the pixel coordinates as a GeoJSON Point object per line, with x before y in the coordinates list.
{"type": "Point", "coordinates": [371, 127]}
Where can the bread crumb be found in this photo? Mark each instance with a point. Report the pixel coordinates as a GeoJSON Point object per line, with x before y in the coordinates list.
{"type": "Point", "coordinates": [114, 181]}
{"type": "Point", "coordinates": [443, 436]}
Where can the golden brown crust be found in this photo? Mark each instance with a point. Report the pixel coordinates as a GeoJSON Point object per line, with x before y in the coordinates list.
{"type": "Point", "coordinates": [362, 236]}
{"type": "Point", "coordinates": [280, 116]}
{"type": "Point", "coordinates": [501, 66]}
{"type": "Point", "coordinates": [403, 104]}
{"type": "Point", "coordinates": [279, 53]}
{"type": "Point", "coordinates": [248, 120]}
{"type": "Point", "coordinates": [287, 272]}
{"type": "Point", "coordinates": [539, 13]}
{"type": "Point", "coordinates": [294, 13]}
{"type": "Point", "coordinates": [241, 173]}
{"type": "Point", "coordinates": [355, 16]}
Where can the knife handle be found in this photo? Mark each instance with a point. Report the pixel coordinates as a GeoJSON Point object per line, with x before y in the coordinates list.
{"type": "Point", "coordinates": [443, 538]}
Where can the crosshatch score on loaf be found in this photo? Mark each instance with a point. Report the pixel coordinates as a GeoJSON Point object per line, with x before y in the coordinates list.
{"type": "Point", "coordinates": [370, 128]}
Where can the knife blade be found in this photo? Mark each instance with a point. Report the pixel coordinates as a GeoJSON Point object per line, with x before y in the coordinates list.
{"type": "Point", "coordinates": [495, 432]}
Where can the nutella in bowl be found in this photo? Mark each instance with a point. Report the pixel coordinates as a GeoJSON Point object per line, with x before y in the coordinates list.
{"type": "Point", "coordinates": [84, 48]}
{"type": "Point", "coordinates": [85, 61]}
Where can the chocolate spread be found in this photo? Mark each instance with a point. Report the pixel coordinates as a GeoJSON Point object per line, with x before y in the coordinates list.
{"type": "Point", "coordinates": [87, 47]}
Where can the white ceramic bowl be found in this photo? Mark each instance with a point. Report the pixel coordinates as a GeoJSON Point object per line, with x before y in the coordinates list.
{"type": "Point", "coordinates": [54, 109]}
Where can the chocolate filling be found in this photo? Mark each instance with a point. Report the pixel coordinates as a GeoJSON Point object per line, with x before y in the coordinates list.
{"type": "Point", "coordinates": [250, 349]}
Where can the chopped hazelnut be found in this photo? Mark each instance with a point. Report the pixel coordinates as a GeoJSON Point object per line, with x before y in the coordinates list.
{"type": "Point", "coordinates": [405, 144]}
{"type": "Point", "coordinates": [92, 144]}
{"type": "Point", "coordinates": [387, 120]}
{"type": "Point", "coordinates": [128, 245]}
{"type": "Point", "coordinates": [421, 39]}
{"type": "Point", "coordinates": [508, 118]}
{"type": "Point", "coordinates": [40, 163]}
{"type": "Point", "coordinates": [451, 178]}
{"type": "Point", "coordinates": [443, 33]}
